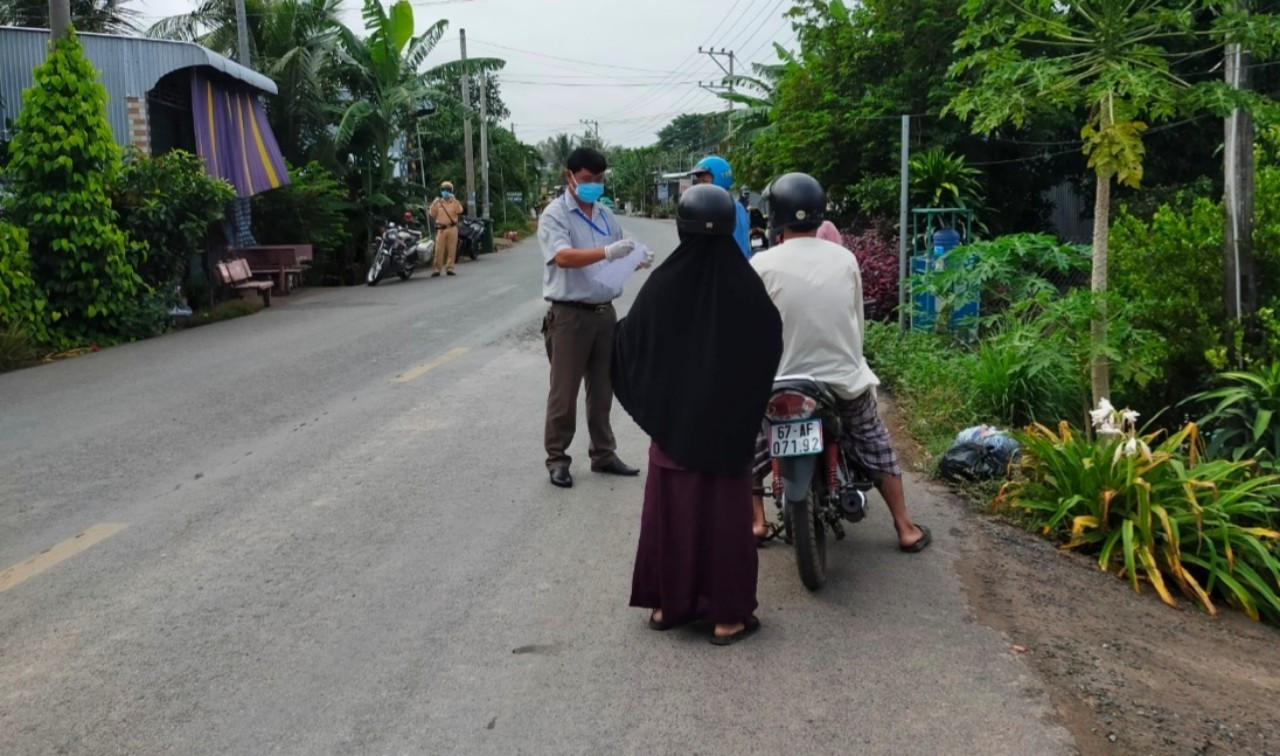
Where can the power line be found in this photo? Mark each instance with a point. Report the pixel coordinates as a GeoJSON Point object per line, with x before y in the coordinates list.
{"type": "Point", "coordinates": [683, 66]}
{"type": "Point", "coordinates": [595, 85]}
{"type": "Point", "coordinates": [762, 24]}
{"type": "Point", "coordinates": [570, 60]}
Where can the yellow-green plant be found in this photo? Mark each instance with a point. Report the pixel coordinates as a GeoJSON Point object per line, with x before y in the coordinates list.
{"type": "Point", "coordinates": [1154, 508]}
{"type": "Point", "coordinates": [62, 164]}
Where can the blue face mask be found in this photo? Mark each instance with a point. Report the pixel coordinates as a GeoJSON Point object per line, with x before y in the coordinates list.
{"type": "Point", "coordinates": [589, 193]}
{"type": "Point", "coordinates": [446, 193]}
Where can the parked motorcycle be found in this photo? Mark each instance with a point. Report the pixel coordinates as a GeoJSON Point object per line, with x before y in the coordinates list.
{"type": "Point", "coordinates": [470, 237]}
{"type": "Point", "coordinates": [814, 487]}
{"type": "Point", "coordinates": [398, 250]}
{"type": "Point", "coordinates": [759, 240]}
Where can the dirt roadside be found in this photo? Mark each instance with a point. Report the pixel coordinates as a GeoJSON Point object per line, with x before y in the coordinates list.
{"type": "Point", "coordinates": [1127, 674]}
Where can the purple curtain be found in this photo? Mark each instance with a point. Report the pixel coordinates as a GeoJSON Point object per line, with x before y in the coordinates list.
{"type": "Point", "coordinates": [233, 137]}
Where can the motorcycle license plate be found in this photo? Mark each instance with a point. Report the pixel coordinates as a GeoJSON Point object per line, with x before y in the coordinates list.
{"type": "Point", "coordinates": [800, 439]}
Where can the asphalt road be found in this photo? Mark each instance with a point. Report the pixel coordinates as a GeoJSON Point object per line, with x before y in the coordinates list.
{"type": "Point", "coordinates": [326, 529]}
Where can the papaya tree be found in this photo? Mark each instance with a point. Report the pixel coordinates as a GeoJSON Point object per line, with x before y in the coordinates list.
{"type": "Point", "coordinates": [1122, 65]}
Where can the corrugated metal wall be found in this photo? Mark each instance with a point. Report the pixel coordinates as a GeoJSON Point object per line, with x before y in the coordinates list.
{"type": "Point", "coordinates": [129, 66]}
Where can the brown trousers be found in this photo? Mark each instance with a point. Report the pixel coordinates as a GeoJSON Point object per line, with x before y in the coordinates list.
{"type": "Point", "coordinates": [446, 248]}
{"type": "Point", "coordinates": [579, 344]}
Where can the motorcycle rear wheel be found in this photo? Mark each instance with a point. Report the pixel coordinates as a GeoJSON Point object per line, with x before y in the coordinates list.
{"type": "Point", "coordinates": [810, 535]}
{"type": "Point", "coordinates": [406, 273]}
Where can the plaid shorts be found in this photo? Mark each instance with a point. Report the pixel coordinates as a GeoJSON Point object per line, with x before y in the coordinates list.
{"type": "Point", "coordinates": [864, 440]}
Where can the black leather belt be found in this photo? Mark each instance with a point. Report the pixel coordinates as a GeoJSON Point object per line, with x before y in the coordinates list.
{"type": "Point", "coordinates": [598, 308]}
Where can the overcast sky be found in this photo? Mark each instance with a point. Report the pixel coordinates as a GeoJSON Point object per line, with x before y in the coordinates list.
{"type": "Point", "coordinates": [633, 65]}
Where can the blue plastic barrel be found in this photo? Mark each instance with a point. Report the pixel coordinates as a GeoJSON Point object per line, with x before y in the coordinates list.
{"type": "Point", "coordinates": [965, 313]}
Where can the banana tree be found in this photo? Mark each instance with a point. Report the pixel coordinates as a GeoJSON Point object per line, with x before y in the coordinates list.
{"type": "Point", "coordinates": [1120, 62]}
{"type": "Point", "coordinates": [756, 118]}
{"type": "Point", "coordinates": [383, 73]}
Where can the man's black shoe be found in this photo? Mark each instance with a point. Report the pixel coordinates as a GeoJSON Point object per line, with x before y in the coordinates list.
{"type": "Point", "coordinates": [617, 467]}
{"type": "Point", "coordinates": [561, 478]}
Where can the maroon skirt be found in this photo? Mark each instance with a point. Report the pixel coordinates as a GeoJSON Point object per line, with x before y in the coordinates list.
{"type": "Point", "coordinates": [697, 556]}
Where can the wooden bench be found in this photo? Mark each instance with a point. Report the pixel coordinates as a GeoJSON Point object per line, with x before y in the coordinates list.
{"type": "Point", "coordinates": [237, 275]}
{"type": "Point", "coordinates": [284, 263]}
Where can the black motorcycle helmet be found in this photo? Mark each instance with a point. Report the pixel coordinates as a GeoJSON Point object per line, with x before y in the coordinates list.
{"type": "Point", "coordinates": [796, 201]}
{"type": "Point", "coordinates": [706, 209]}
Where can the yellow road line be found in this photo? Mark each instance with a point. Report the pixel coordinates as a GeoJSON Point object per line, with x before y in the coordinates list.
{"type": "Point", "coordinates": [20, 572]}
{"type": "Point", "coordinates": [417, 372]}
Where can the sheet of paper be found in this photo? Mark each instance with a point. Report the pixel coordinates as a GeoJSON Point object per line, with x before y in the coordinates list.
{"type": "Point", "coordinates": [614, 274]}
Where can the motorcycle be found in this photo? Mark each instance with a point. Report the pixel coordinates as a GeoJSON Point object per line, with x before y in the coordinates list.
{"type": "Point", "coordinates": [398, 250]}
{"type": "Point", "coordinates": [815, 487]}
{"type": "Point", "coordinates": [759, 240]}
{"type": "Point", "coordinates": [470, 237]}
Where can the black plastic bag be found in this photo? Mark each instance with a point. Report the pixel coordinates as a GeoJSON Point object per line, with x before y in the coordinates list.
{"type": "Point", "coordinates": [970, 462]}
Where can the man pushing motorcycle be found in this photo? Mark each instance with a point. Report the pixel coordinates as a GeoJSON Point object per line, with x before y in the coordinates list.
{"type": "Point", "coordinates": [817, 287]}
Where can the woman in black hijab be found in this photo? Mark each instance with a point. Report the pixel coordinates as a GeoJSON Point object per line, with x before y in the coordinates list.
{"type": "Point", "coordinates": [693, 364]}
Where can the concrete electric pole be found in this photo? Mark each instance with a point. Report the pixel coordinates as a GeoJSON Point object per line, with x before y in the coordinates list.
{"type": "Point", "coordinates": [466, 131]}
{"type": "Point", "coordinates": [595, 129]}
{"type": "Point", "coordinates": [59, 18]}
{"type": "Point", "coordinates": [242, 33]}
{"type": "Point", "coordinates": [716, 55]}
{"type": "Point", "coordinates": [484, 140]}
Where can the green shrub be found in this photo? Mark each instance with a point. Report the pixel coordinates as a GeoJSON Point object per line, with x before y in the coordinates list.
{"type": "Point", "coordinates": [167, 204]}
{"type": "Point", "coordinates": [24, 312]}
{"type": "Point", "coordinates": [1003, 272]}
{"type": "Point", "coordinates": [928, 376]}
{"type": "Point", "coordinates": [1021, 375]}
{"type": "Point", "coordinates": [1033, 363]}
{"type": "Point", "coordinates": [17, 348]}
{"type": "Point", "coordinates": [311, 209]}
{"type": "Point", "coordinates": [63, 161]}
{"type": "Point", "coordinates": [1155, 510]}
{"type": "Point", "coordinates": [1170, 271]}
{"type": "Point", "coordinates": [1245, 419]}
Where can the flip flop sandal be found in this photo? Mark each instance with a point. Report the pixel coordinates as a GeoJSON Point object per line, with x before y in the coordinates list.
{"type": "Point", "coordinates": [921, 544]}
{"type": "Point", "coordinates": [748, 628]}
{"type": "Point", "coordinates": [660, 625]}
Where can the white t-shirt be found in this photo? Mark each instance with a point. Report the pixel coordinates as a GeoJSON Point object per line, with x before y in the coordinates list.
{"type": "Point", "coordinates": [817, 286]}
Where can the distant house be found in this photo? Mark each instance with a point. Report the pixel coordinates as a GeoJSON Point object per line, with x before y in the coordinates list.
{"type": "Point", "coordinates": [163, 96]}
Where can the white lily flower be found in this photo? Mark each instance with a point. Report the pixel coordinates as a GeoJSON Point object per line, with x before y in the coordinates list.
{"type": "Point", "coordinates": [1130, 417]}
{"type": "Point", "coordinates": [1104, 415]}
{"type": "Point", "coordinates": [1107, 427]}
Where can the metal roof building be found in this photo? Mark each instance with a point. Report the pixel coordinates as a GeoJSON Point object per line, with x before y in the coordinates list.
{"type": "Point", "coordinates": [163, 96]}
{"type": "Point", "coordinates": [133, 70]}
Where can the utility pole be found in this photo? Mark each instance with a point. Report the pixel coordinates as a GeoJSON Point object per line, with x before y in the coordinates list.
{"type": "Point", "coordinates": [59, 18]}
{"type": "Point", "coordinates": [484, 139]}
{"type": "Point", "coordinates": [903, 199]}
{"type": "Point", "coordinates": [466, 130]}
{"type": "Point", "coordinates": [242, 33]}
{"type": "Point", "coordinates": [716, 55]}
{"type": "Point", "coordinates": [1241, 284]}
{"type": "Point", "coordinates": [596, 129]}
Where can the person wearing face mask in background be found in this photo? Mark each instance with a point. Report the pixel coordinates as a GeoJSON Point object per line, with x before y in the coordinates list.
{"type": "Point", "coordinates": [445, 211]}
{"type": "Point", "coordinates": [579, 236]}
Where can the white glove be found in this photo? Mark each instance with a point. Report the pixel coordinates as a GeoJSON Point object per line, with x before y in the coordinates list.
{"type": "Point", "coordinates": [619, 249]}
{"type": "Point", "coordinates": [646, 261]}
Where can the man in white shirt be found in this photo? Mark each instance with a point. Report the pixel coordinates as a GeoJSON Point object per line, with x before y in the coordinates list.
{"type": "Point", "coordinates": [817, 287]}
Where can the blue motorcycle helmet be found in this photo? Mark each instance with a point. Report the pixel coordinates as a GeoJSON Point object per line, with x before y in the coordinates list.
{"type": "Point", "coordinates": [717, 168]}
